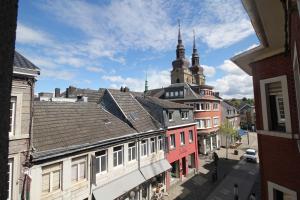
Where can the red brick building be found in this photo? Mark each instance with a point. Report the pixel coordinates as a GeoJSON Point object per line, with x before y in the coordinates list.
{"type": "Point", "coordinates": [181, 136]}
{"type": "Point", "coordinates": [274, 66]}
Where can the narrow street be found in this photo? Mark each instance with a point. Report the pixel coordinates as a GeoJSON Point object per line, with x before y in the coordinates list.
{"type": "Point", "coordinates": [230, 171]}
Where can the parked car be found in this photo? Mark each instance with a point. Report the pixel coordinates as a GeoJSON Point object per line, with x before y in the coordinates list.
{"type": "Point", "coordinates": [251, 155]}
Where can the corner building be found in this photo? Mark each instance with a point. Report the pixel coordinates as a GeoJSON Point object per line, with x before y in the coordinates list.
{"type": "Point", "coordinates": [188, 87]}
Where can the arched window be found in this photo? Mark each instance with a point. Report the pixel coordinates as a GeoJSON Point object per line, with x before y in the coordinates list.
{"type": "Point", "coordinates": [177, 81]}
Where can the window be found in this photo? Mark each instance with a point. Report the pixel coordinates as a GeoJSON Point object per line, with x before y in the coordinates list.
{"type": "Point", "coordinates": [208, 124]}
{"type": "Point", "coordinates": [118, 156]}
{"type": "Point", "coordinates": [172, 141]}
{"type": "Point", "coordinates": [176, 93]}
{"type": "Point", "coordinates": [160, 143]}
{"type": "Point", "coordinates": [215, 106]}
{"type": "Point", "coordinates": [10, 179]}
{"type": "Point", "coordinates": [216, 121]}
{"type": "Point", "coordinates": [131, 151]}
{"type": "Point", "coordinates": [167, 94]}
{"type": "Point", "coordinates": [172, 94]}
{"type": "Point", "coordinates": [101, 161]}
{"type": "Point", "coordinates": [202, 106]}
{"type": "Point", "coordinates": [191, 137]}
{"type": "Point", "coordinates": [197, 106]}
{"type": "Point", "coordinates": [144, 146]}
{"type": "Point", "coordinates": [181, 93]}
{"type": "Point", "coordinates": [280, 109]}
{"type": "Point", "coordinates": [184, 115]}
{"type": "Point", "coordinates": [12, 115]}
{"type": "Point", "coordinates": [203, 123]}
{"type": "Point", "coordinates": [51, 178]}
{"type": "Point", "coordinates": [79, 169]}
{"type": "Point", "coordinates": [152, 145]}
{"type": "Point", "coordinates": [182, 139]}
{"type": "Point", "coordinates": [170, 116]}
{"type": "Point", "coordinates": [207, 106]}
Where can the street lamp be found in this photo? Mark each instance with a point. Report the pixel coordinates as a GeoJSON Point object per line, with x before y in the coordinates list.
{"type": "Point", "coordinates": [236, 191]}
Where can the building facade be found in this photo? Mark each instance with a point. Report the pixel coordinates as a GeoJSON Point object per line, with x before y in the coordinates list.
{"type": "Point", "coordinates": [181, 136]}
{"type": "Point", "coordinates": [81, 151]}
{"type": "Point", "coordinates": [247, 117]}
{"type": "Point", "coordinates": [274, 66]}
{"type": "Point", "coordinates": [188, 87]}
{"type": "Point", "coordinates": [231, 114]}
{"type": "Point", "coordinates": [24, 77]}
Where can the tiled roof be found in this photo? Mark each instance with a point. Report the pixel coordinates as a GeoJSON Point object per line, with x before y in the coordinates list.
{"type": "Point", "coordinates": [62, 125]}
{"type": "Point", "coordinates": [164, 103]}
{"type": "Point", "coordinates": [21, 62]}
{"type": "Point", "coordinates": [140, 119]}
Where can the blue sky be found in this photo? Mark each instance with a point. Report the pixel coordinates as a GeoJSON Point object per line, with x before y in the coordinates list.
{"type": "Point", "coordinates": [92, 44]}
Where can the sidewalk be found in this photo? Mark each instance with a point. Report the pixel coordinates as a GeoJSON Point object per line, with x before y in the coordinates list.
{"type": "Point", "coordinates": [244, 175]}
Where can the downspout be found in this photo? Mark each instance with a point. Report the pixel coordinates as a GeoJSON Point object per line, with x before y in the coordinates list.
{"type": "Point", "coordinates": [286, 26]}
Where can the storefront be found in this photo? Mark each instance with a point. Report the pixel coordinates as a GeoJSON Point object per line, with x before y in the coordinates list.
{"type": "Point", "coordinates": [208, 142]}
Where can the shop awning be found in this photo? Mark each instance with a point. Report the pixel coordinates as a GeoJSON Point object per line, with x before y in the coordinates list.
{"type": "Point", "coordinates": [118, 187]}
{"type": "Point", "coordinates": [156, 168]}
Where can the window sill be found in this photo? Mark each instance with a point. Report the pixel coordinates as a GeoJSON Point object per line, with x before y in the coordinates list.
{"type": "Point", "coordinates": [101, 173]}
{"type": "Point", "coordinates": [49, 194]}
{"type": "Point", "coordinates": [278, 134]}
{"type": "Point", "coordinates": [18, 137]}
{"type": "Point", "coordinates": [75, 183]}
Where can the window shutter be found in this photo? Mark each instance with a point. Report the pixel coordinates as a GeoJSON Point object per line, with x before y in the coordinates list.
{"type": "Point", "coordinates": [274, 88]}
{"type": "Point", "coordinates": [93, 170]}
{"type": "Point", "coordinates": [166, 146]}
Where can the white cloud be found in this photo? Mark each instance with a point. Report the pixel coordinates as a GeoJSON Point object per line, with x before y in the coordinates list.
{"type": "Point", "coordinates": [235, 83]}
{"type": "Point", "coordinates": [58, 74]}
{"type": "Point", "coordinates": [208, 70]}
{"type": "Point", "coordinates": [156, 79]}
{"type": "Point", "coordinates": [231, 68]}
{"type": "Point", "coordinates": [28, 35]}
{"type": "Point", "coordinates": [95, 69]}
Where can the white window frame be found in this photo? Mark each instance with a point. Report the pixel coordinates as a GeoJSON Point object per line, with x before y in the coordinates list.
{"type": "Point", "coordinates": [55, 167]}
{"type": "Point", "coordinates": [216, 118]}
{"type": "Point", "coordinates": [10, 178]}
{"type": "Point", "coordinates": [160, 143]}
{"type": "Point", "coordinates": [272, 186]}
{"type": "Point", "coordinates": [181, 93]}
{"type": "Point", "coordinates": [100, 162]}
{"type": "Point", "coordinates": [152, 145]}
{"type": "Point", "coordinates": [280, 119]}
{"type": "Point", "coordinates": [144, 145]}
{"type": "Point", "coordinates": [215, 105]}
{"type": "Point", "coordinates": [167, 94]}
{"type": "Point", "coordinates": [78, 161]}
{"type": "Point", "coordinates": [184, 115]}
{"type": "Point", "coordinates": [176, 93]}
{"type": "Point", "coordinates": [13, 101]}
{"type": "Point", "coordinates": [297, 78]}
{"type": "Point", "coordinates": [171, 94]}
{"type": "Point", "coordinates": [130, 152]}
{"type": "Point", "coordinates": [172, 146]}
{"type": "Point", "coordinates": [182, 139]}
{"type": "Point", "coordinates": [264, 106]}
{"type": "Point", "coordinates": [191, 136]}
{"type": "Point", "coordinates": [116, 153]}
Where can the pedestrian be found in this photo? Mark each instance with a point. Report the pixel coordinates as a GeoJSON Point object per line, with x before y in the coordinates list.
{"type": "Point", "coordinates": [216, 158]}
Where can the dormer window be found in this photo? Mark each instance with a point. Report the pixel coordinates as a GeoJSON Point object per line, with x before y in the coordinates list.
{"type": "Point", "coordinates": [184, 115]}
{"type": "Point", "coordinates": [181, 93]}
{"type": "Point", "coordinates": [170, 116]}
{"type": "Point", "coordinates": [167, 94]}
{"type": "Point", "coordinates": [176, 93]}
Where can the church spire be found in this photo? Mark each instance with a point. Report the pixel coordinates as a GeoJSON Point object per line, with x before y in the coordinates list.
{"type": "Point", "coordinates": [180, 51]}
{"type": "Point", "coordinates": [195, 56]}
{"type": "Point", "coordinates": [146, 84]}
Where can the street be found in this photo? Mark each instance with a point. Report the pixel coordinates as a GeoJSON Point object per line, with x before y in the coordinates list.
{"type": "Point", "coordinates": [230, 171]}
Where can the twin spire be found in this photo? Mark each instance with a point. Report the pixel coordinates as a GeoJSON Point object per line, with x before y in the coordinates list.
{"type": "Point", "coordinates": [180, 51]}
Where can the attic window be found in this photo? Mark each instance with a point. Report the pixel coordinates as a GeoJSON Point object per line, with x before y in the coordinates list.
{"type": "Point", "coordinates": [106, 121]}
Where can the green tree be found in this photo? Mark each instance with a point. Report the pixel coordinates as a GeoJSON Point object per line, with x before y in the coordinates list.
{"type": "Point", "coordinates": [227, 130]}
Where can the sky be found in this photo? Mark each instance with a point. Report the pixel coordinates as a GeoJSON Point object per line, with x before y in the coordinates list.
{"type": "Point", "coordinates": [109, 44]}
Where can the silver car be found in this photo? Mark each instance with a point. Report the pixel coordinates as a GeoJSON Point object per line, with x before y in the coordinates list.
{"type": "Point", "coordinates": [251, 155]}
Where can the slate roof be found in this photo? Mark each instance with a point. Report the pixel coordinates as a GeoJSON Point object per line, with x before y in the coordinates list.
{"type": "Point", "coordinates": [155, 92]}
{"type": "Point", "coordinates": [63, 124]}
{"type": "Point", "coordinates": [134, 112]}
{"type": "Point", "coordinates": [164, 103]}
{"type": "Point", "coordinates": [94, 96]}
{"type": "Point", "coordinates": [22, 64]}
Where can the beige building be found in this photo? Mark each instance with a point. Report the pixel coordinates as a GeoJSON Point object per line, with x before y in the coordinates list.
{"type": "Point", "coordinates": [24, 74]}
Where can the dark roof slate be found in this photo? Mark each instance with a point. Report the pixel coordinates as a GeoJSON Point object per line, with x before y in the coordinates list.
{"type": "Point", "coordinates": [63, 124]}
{"type": "Point", "coordinates": [140, 119]}
{"type": "Point", "coordinates": [164, 103]}
{"type": "Point", "coordinates": [22, 62]}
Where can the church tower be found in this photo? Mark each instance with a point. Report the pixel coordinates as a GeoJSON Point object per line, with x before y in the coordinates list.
{"type": "Point", "coordinates": [197, 70]}
{"type": "Point", "coordinates": [181, 72]}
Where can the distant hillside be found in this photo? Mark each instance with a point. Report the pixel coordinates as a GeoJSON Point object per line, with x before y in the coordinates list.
{"type": "Point", "coordinates": [238, 102]}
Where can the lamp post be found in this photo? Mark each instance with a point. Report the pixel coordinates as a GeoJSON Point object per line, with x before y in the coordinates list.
{"type": "Point", "coordinates": [236, 191]}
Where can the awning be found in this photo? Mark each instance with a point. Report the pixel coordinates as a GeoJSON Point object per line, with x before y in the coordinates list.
{"type": "Point", "coordinates": [118, 187]}
{"type": "Point", "coordinates": [154, 169]}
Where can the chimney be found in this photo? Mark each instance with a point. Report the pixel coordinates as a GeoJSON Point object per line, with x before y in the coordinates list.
{"type": "Point", "coordinates": [126, 89]}
{"type": "Point", "coordinates": [121, 89]}
{"type": "Point", "coordinates": [57, 92]}
{"type": "Point", "coordinates": [82, 98]}
{"type": "Point", "coordinates": [217, 94]}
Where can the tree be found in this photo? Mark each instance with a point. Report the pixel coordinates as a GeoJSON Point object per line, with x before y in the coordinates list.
{"type": "Point", "coordinates": [228, 131]}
